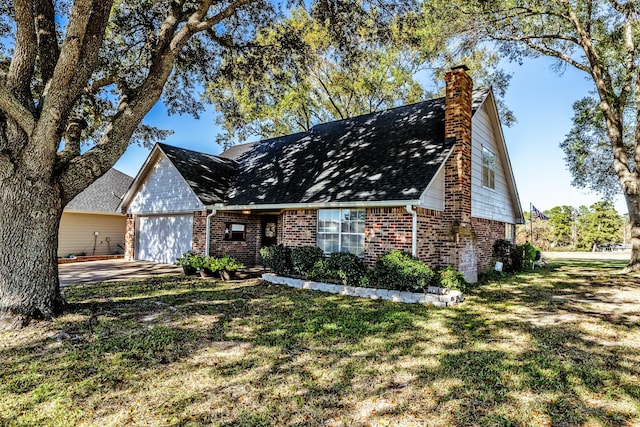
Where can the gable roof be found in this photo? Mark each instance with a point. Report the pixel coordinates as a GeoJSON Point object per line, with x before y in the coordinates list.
{"type": "Point", "coordinates": [103, 195]}
{"type": "Point", "coordinates": [386, 156]}
{"type": "Point", "coordinates": [208, 176]}
{"type": "Point", "coordinates": [383, 156]}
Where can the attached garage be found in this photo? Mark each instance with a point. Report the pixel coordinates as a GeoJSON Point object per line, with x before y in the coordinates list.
{"type": "Point", "coordinates": [166, 203]}
{"type": "Point", "coordinates": [163, 238]}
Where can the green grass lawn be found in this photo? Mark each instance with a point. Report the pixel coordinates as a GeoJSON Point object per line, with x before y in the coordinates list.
{"type": "Point", "coordinates": [559, 347]}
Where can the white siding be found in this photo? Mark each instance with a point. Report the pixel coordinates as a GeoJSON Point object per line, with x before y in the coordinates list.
{"type": "Point", "coordinates": [163, 191]}
{"type": "Point", "coordinates": [76, 234]}
{"type": "Point", "coordinates": [433, 196]}
{"type": "Point", "coordinates": [494, 204]}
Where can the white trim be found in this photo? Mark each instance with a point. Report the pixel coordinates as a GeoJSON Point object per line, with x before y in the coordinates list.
{"type": "Point", "coordinates": [414, 229]}
{"type": "Point", "coordinates": [314, 205]}
{"type": "Point", "coordinates": [208, 231]}
{"type": "Point", "coordinates": [93, 212]}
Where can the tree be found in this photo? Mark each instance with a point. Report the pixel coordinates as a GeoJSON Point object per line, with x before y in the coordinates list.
{"type": "Point", "coordinates": [322, 72]}
{"type": "Point", "coordinates": [598, 225]}
{"type": "Point", "coordinates": [598, 37]}
{"type": "Point", "coordinates": [562, 222]}
{"type": "Point", "coordinates": [85, 73]}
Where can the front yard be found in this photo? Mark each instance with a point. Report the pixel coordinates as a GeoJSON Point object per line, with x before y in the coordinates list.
{"type": "Point", "coordinates": [558, 347]}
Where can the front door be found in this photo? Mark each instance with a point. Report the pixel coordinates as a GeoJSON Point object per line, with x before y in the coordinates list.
{"type": "Point", "coordinates": [269, 230]}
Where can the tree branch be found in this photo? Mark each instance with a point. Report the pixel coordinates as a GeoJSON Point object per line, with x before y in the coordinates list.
{"type": "Point", "coordinates": [20, 74]}
{"type": "Point", "coordinates": [14, 109]}
{"type": "Point", "coordinates": [48, 49]}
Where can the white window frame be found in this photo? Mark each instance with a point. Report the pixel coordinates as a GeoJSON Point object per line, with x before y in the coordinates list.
{"type": "Point", "coordinates": [340, 213]}
{"type": "Point", "coordinates": [509, 232]}
{"type": "Point", "coordinates": [489, 167]}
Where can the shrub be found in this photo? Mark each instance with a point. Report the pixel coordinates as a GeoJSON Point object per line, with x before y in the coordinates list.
{"type": "Point", "coordinates": [451, 278]}
{"type": "Point", "coordinates": [277, 258]}
{"type": "Point", "coordinates": [318, 272]}
{"type": "Point", "coordinates": [303, 259]}
{"type": "Point", "coordinates": [398, 270]}
{"type": "Point", "coordinates": [347, 268]}
{"type": "Point", "coordinates": [502, 252]}
{"type": "Point", "coordinates": [212, 264]}
{"type": "Point", "coordinates": [229, 263]}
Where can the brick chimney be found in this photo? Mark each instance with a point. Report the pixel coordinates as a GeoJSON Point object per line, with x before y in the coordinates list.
{"type": "Point", "coordinates": [459, 88]}
{"type": "Point", "coordinates": [462, 249]}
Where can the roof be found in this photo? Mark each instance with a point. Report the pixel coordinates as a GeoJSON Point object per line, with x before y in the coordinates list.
{"type": "Point", "coordinates": [236, 151]}
{"type": "Point", "coordinates": [383, 156]}
{"type": "Point", "coordinates": [103, 195]}
{"type": "Point", "coordinates": [208, 176]}
{"type": "Point", "coordinates": [391, 155]}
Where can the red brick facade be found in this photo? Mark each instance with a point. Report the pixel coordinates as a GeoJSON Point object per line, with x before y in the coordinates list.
{"type": "Point", "coordinates": [384, 229]}
{"type": "Point", "coordinates": [246, 251]}
{"type": "Point", "coordinates": [299, 228]}
{"type": "Point", "coordinates": [199, 236]}
{"type": "Point", "coordinates": [130, 238]}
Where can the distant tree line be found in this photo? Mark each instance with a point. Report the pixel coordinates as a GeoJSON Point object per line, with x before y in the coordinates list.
{"type": "Point", "coordinates": [582, 229]}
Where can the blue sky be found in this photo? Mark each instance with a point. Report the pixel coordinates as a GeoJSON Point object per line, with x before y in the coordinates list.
{"type": "Point", "coordinates": [540, 98]}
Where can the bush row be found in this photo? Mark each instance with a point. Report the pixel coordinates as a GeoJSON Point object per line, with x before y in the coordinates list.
{"type": "Point", "coordinates": [193, 262]}
{"type": "Point", "coordinates": [394, 269]}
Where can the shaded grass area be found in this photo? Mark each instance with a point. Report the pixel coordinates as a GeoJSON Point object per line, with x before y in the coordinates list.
{"type": "Point", "coordinates": [556, 347]}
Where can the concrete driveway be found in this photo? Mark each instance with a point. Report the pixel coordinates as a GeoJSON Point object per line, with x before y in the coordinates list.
{"type": "Point", "coordinates": [112, 270]}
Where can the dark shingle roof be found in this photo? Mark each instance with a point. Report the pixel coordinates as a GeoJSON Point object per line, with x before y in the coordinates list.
{"type": "Point", "coordinates": [383, 156]}
{"type": "Point", "coordinates": [233, 153]}
{"type": "Point", "coordinates": [103, 195]}
{"type": "Point", "coordinates": [208, 176]}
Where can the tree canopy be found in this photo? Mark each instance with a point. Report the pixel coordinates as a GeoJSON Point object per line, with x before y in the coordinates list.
{"type": "Point", "coordinates": [315, 72]}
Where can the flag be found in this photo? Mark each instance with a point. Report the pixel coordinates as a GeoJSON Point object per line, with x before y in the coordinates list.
{"type": "Point", "coordinates": [535, 213]}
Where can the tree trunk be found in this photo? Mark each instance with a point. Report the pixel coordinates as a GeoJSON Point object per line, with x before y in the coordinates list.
{"type": "Point", "coordinates": [633, 205]}
{"type": "Point", "coordinates": [30, 212]}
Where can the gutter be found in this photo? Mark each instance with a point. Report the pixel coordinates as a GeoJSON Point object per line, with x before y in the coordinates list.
{"type": "Point", "coordinates": [414, 229]}
{"type": "Point", "coordinates": [208, 232]}
{"type": "Point", "coordinates": [314, 205]}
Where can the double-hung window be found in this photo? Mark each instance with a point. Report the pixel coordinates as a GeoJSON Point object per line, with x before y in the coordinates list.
{"type": "Point", "coordinates": [488, 169]}
{"type": "Point", "coordinates": [341, 230]}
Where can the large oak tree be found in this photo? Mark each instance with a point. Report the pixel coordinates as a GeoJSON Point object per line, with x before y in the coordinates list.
{"type": "Point", "coordinates": [76, 80]}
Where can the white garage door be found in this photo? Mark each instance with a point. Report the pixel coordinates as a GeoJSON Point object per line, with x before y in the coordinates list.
{"type": "Point", "coordinates": [164, 238]}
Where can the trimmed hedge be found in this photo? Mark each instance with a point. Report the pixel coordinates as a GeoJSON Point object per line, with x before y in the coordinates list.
{"type": "Point", "coordinates": [399, 270]}
{"type": "Point", "coordinates": [342, 267]}
{"type": "Point", "coordinates": [304, 258]}
{"type": "Point", "coordinates": [277, 258]}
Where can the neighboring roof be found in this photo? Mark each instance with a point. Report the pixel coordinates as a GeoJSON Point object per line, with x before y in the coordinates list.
{"type": "Point", "coordinates": [208, 176]}
{"type": "Point", "coordinates": [233, 153]}
{"type": "Point", "coordinates": [383, 156]}
{"type": "Point", "coordinates": [103, 195]}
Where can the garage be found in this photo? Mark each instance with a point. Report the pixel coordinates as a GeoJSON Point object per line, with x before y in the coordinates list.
{"type": "Point", "coordinates": [163, 238]}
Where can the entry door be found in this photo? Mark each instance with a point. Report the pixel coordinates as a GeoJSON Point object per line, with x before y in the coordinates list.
{"type": "Point", "coordinates": [269, 230]}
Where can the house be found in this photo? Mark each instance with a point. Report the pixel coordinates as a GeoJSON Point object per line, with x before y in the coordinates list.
{"type": "Point", "coordinates": [432, 178]}
{"type": "Point", "coordinates": [91, 223]}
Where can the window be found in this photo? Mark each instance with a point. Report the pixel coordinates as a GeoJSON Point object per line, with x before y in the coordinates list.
{"type": "Point", "coordinates": [488, 169]}
{"type": "Point", "coordinates": [509, 232]}
{"type": "Point", "coordinates": [234, 232]}
{"type": "Point", "coordinates": [341, 230]}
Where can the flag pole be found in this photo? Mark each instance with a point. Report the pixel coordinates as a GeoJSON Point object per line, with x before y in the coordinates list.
{"type": "Point", "coordinates": [531, 220]}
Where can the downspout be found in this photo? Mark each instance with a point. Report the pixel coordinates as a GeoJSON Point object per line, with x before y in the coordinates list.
{"type": "Point", "coordinates": [414, 229]}
{"type": "Point", "coordinates": [208, 233]}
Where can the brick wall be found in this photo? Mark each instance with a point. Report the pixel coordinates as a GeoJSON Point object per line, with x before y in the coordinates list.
{"type": "Point", "coordinates": [384, 229]}
{"type": "Point", "coordinates": [129, 237]}
{"type": "Point", "coordinates": [199, 236]}
{"type": "Point", "coordinates": [299, 228]}
{"type": "Point", "coordinates": [431, 237]}
{"type": "Point", "coordinates": [244, 251]}
{"type": "Point", "coordinates": [487, 232]}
